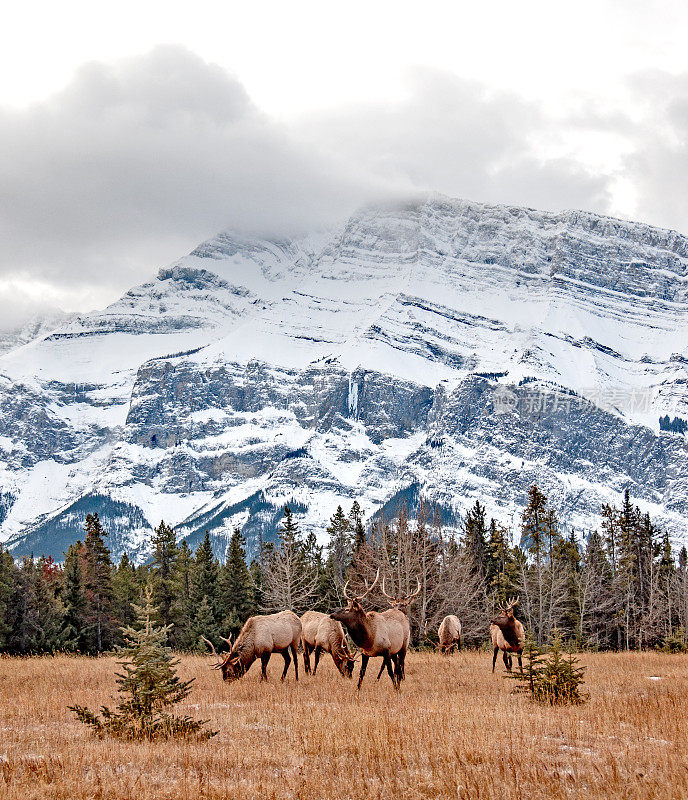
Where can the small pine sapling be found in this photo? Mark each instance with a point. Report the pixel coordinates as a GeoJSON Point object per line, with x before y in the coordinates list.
{"type": "Point", "coordinates": [149, 687]}
{"type": "Point", "coordinates": [554, 676]}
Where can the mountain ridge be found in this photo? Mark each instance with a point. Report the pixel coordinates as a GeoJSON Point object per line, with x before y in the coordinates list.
{"type": "Point", "coordinates": [193, 387]}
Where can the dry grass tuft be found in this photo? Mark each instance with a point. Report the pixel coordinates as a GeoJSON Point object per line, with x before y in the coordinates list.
{"type": "Point", "coordinates": [454, 730]}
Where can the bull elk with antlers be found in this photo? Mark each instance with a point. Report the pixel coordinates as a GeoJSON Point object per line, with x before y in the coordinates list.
{"type": "Point", "coordinates": [508, 635]}
{"type": "Point", "coordinates": [260, 637]}
{"type": "Point", "coordinates": [378, 634]}
{"type": "Point", "coordinates": [320, 633]}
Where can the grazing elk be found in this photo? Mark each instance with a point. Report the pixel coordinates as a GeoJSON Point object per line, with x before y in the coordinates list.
{"type": "Point", "coordinates": [449, 634]}
{"type": "Point", "coordinates": [260, 637]}
{"type": "Point", "coordinates": [376, 634]}
{"type": "Point", "coordinates": [321, 633]}
{"type": "Point", "coordinates": [508, 635]}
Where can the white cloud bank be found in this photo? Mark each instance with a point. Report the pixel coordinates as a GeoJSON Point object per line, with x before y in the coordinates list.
{"type": "Point", "coordinates": [133, 163]}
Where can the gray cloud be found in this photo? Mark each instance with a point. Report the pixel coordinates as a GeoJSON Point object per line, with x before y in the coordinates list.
{"type": "Point", "coordinates": [132, 164]}
{"type": "Point", "coordinates": [452, 136]}
{"type": "Point", "coordinates": [658, 164]}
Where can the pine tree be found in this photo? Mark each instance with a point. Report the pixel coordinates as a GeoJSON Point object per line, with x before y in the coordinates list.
{"type": "Point", "coordinates": [181, 635]}
{"type": "Point", "coordinates": [474, 538]}
{"type": "Point", "coordinates": [149, 687]}
{"type": "Point", "coordinates": [204, 591]}
{"type": "Point", "coordinates": [164, 544]}
{"type": "Point", "coordinates": [49, 609]}
{"type": "Point", "coordinates": [237, 595]}
{"type": "Point", "coordinates": [98, 583]}
{"type": "Point", "coordinates": [356, 518]}
{"type": "Point", "coordinates": [554, 677]}
{"type": "Point", "coordinates": [204, 574]}
{"type": "Point", "coordinates": [74, 599]}
{"type": "Point", "coordinates": [339, 548]}
{"type": "Point", "coordinates": [126, 589]}
{"type": "Point", "coordinates": [8, 579]}
{"type": "Point", "coordinates": [501, 568]}
{"type": "Point", "coordinates": [534, 535]}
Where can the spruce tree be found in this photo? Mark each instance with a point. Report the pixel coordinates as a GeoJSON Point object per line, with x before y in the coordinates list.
{"type": "Point", "coordinates": [356, 515]}
{"type": "Point", "coordinates": [8, 581]}
{"type": "Point", "coordinates": [164, 544]}
{"type": "Point", "coordinates": [126, 590]}
{"type": "Point", "coordinates": [74, 599]}
{"type": "Point", "coordinates": [204, 589]}
{"type": "Point", "coordinates": [149, 687]}
{"type": "Point", "coordinates": [339, 547]}
{"type": "Point", "coordinates": [98, 583]}
{"type": "Point", "coordinates": [237, 595]}
{"type": "Point", "coordinates": [474, 535]}
{"type": "Point", "coordinates": [181, 635]}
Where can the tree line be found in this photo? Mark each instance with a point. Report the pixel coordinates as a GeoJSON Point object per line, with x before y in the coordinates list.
{"type": "Point", "coordinates": [620, 589]}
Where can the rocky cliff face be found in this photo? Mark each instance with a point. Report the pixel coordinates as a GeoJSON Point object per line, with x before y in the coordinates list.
{"type": "Point", "coordinates": [457, 350]}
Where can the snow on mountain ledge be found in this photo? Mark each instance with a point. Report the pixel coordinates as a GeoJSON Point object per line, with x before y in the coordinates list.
{"type": "Point", "coordinates": [464, 349]}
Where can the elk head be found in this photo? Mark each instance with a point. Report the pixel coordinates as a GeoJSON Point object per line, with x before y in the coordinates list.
{"type": "Point", "coordinates": [506, 614]}
{"type": "Point", "coordinates": [354, 612]}
{"type": "Point", "coordinates": [402, 603]}
{"type": "Point", "coordinates": [229, 663]}
{"type": "Point", "coordinates": [345, 660]}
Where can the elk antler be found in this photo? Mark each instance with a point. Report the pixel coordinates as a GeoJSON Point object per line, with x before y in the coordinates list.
{"type": "Point", "coordinates": [212, 647]}
{"type": "Point", "coordinates": [368, 590]}
{"type": "Point", "coordinates": [429, 640]}
{"type": "Point", "coordinates": [229, 641]}
{"type": "Point", "coordinates": [399, 600]}
{"type": "Point", "coordinates": [416, 593]}
{"type": "Point", "coordinates": [511, 603]}
{"type": "Point", "coordinates": [391, 599]}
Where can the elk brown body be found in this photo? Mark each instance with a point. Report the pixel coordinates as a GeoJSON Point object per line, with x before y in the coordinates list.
{"type": "Point", "coordinates": [508, 635]}
{"type": "Point", "coordinates": [383, 634]}
{"type": "Point", "coordinates": [449, 634]}
{"type": "Point", "coordinates": [260, 637]}
{"type": "Point", "coordinates": [320, 633]}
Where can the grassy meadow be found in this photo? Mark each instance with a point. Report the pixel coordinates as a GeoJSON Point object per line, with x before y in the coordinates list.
{"type": "Point", "coordinates": [453, 731]}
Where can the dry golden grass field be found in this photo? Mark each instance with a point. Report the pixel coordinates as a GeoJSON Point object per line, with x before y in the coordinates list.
{"type": "Point", "coordinates": [454, 731]}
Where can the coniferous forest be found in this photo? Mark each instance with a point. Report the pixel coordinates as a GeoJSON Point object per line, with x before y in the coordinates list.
{"type": "Point", "coordinates": [622, 588]}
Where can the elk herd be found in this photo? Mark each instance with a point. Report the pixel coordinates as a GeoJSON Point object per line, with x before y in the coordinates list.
{"type": "Point", "coordinates": [376, 634]}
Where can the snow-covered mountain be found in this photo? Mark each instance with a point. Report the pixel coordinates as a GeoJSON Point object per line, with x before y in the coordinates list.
{"type": "Point", "coordinates": [440, 348]}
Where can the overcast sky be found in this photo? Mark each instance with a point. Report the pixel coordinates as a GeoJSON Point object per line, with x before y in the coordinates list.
{"type": "Point", "coordinates": [130, 131]}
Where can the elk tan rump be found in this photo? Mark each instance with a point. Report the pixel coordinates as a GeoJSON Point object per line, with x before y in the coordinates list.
{"type": "Point", "coordinates": [391, 632]}
{"type": "Point", "coordinates": [449, 632]}
{"type": "Point", "coordinates": [320, 630]}
{"type": "Point", "coordinates": [272, 633]}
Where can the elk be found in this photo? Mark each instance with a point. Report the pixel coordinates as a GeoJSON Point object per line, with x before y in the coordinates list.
{"type": "Point", "coordinates": [376, 634]}
{"type": "Point", "coordinates": [449, 634]}
{"type": "Point", "coordinates": [260, 637]}
{"type": "Point", "coordinates": [321, 633]}
{"type": "Point", "coordinates": [508, 635]}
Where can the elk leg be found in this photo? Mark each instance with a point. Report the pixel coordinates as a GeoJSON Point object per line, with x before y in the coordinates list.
{"type": "Point", "coordinates": [294, 646]}
{"type": "Point", "coordinates": [287, 662]}
{"type": "Point", "coordinates": [507, 661]}
{"type": "Point", "coordinates": [264, 666]}
{"type": "Point", "coordinates": [364, 664]}
{"type": "Point", "coordinates": [306, 658]}
{"type": "Point", "coordinates": [494, 658]}
{"type": "Point", "coordinates": [520, 664]}
{"type": "Point", "coordinates": [318, 651]}
{"type": "Point", "coordinates": [392, 672]}
{"type": "Point", "coordinates": [401, 662]}
{"type": "Point", "coordinates": [382, 668]}
{"type": "Point", "coordinates": [458, 643]}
